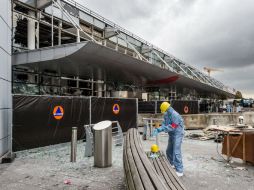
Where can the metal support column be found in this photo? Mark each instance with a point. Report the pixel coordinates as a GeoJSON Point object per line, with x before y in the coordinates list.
{"type": "Point", "coordinates": [78, 35]}
{"type": "Point", "coordinates": [31, 31]}
{"type": "Point", "coordinates": [52, 25]}
{"type": "Point", "coordinates": [59, 33]}
{"type": "Point", "coordinates": [37, 31]}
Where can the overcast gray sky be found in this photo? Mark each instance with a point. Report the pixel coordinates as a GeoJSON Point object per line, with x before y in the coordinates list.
{"type": "Point", "coordinates": [212, 33]}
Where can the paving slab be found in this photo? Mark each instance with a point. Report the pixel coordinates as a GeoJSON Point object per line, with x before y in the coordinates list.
{"type": "Point", "coordinates": [206, 168]}
{"type": "Point", "coordinates": [48, 168]}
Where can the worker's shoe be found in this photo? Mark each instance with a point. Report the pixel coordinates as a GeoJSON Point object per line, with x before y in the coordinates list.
{"type": "Point", "coordinates": [179, 174]}
{"type": "Point", "coordinates": [172, 166]}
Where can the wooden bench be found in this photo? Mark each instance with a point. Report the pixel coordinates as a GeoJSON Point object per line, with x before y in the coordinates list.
{"type": "Point", "coordinates": [166, 172]}
{"type": "Point", "coordinates": [141, 173]}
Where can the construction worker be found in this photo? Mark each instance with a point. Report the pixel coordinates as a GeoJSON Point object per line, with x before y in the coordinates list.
{"type": "Point", "coordinates": [173, 125]}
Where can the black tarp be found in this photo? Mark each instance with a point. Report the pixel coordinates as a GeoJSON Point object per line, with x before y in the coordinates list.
{"type": "Point", "coordinates": [181, 106]}
{"type": "Point", "coordinates": [146, 106]}
{"type": "Point", "coordinates": [102, 109]}
{"type": "Point", "coordinates": [185, 106]}
{"type": "Point", "coordinates": [34, 124]}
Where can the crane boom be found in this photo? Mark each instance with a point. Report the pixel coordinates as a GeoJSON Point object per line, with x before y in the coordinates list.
{"type": "Point", "coordinates": [209, 69]}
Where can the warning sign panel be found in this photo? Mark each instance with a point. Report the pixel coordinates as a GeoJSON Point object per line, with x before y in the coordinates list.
{"type": "Point", "coordinates": [58, 112]}
{"type": "Point", "coordinates": [186, 109]}
{"type": "Point", "coordinates": [116, 109]}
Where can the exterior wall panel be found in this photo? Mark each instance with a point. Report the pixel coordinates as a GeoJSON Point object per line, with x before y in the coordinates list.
{"type": "Point", "coordinates": [99, 24]}
{"type": "Point", "coordinates": [58, 13]}
{"type": "Point", "coordinates": [3, 64]}
{"type": "Point", "coordinates": [4, 35]}
{"type": "Point", "coordinates": [3, 123]}
{"type": "Point", "coordinates": [5, 78]}
{"type": "Point", "coordinates": [4, 146]}
{"type": "Point", "coordinates": [4, 10]}
{"type": "Point", "coordinates": [3, 94]}
{"type": "Point", "coordinates": [85, 17]}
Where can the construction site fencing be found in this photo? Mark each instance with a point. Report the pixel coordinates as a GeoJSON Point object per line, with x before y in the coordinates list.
{"type": "Point", "coordinates": [46, 120]}
{"type": "Point", "coordinates": [181, 106]}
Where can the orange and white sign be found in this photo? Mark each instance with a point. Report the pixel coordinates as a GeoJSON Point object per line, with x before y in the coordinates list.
{"type": "Point", "coordinates": [186, 109]}
{"type": "Point", "coordinates": [58, 112]}
{"type": "Point", "coordinates": [116, 109]}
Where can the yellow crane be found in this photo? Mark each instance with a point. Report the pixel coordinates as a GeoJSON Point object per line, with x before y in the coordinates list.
{"type": "Point", "coordinates": [209, 69]}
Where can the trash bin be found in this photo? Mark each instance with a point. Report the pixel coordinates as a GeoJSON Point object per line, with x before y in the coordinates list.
{"type": "Point", "coordinates": [103, 144]}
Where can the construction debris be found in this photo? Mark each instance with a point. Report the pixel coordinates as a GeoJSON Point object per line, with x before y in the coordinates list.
{"type": "Point", "coordinates": [201, 135]}
{"type": "Point", "coordinates": [240, 168]}
{"type": "Point", "coordinates": [67, 182]}
{"type": "Point", "coordinates": [212, 132]}
{"type": "Point", "coordinates": [220, 128]}
{"type": "Point", "coordinates": [232, 127]}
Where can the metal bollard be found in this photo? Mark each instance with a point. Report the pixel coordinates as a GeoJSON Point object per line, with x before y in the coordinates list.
{"type": "Point", "coordinates": [103, 144]}
{"type": "Point", "coordinates": [89, 142]}
{"type": "Point", "coordinates": [74, 144]}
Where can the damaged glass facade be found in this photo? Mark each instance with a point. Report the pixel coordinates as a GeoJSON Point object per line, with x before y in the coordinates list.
{"type": "Point", "coordinates": [44, 25]}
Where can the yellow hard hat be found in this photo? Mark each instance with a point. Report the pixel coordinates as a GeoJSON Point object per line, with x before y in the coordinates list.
{"type": "Point", "coordinates": [164, 107]}
{"type": "Point", "coordinates": [155, 148]}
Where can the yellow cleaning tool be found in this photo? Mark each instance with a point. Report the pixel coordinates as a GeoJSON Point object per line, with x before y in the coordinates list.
{"type": "Point", "coordinates": [155, 148]}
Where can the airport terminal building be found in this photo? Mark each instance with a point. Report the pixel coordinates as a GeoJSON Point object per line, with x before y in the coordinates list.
{"type": "Point", "coordinates": [62, 48]}
{"type": "Point", "coordinates": [58, 53]}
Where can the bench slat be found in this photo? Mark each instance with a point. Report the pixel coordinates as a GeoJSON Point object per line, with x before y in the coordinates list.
{"type": "Point", "coordinates": [158, 171]}
{"type": "Point", "coordinates": [171, 173]}
{"type": "Point", "coordinates": [129, 178]}
{"type": "Point", "coordinates": [127, 175]}
{"type": "Point", "coordinates": [133, 165]}
{"type": "Point", "coordinates": [154, 177]}
{"type": "Point", "coordinates": [165, 175]}
{"type": "Point", "coordinates": [141, 169]}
